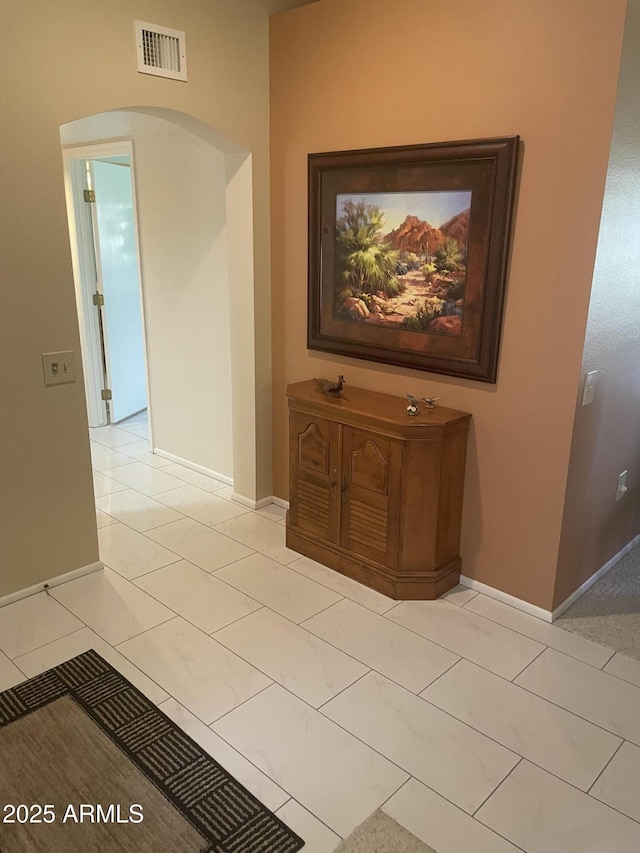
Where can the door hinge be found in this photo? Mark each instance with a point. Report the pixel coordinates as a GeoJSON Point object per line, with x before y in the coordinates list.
{"type": "Point", "coordinates": [98, 299]}
{"type": "Point", "coordinates": [106, 394]}
{"type": "Point", "coordinates": [89, 195]}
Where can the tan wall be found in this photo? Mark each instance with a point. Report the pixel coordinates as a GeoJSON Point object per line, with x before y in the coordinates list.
{"type": "Point", "coordinates": [605, 435]}
{"type": "Point", "coordinates": [365, 74]}
{"type": "Point", "coordinates": [70, 59]}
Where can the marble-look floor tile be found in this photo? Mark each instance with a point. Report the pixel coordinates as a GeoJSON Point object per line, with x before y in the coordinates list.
{"type": "Point", "coordinates": [10, 675]}
{"type": "Point", "coordinates": [110, 436]}
{"type": "Point", "coordinates": [194, 478]}
{"type": "Point", "coordinates": [542, 814]}
{"type": "Point", "coordinates": [138, 511]}
{"type": "Point", "coordinates": [197, 596]}
{"type": "Point", "coordinates": [225, 492]}
{"type": "Point", "coordinates": [111, 606]}
{"type": "Point", "coordinates": [141, 450]}
{"type": "Point", "coordinates": [103, 485]}
{"type": "Point", "coordinates": [261, 535]}
{"type": "Point", "coordinates": [331, 773]}
{"type": "Point", "coordinates": [590, 693]}
{"type": "Point", "coordinates": [144, 478]}
{"type": "Point", "coordinates": [202, 506]}
{"type": "Point", "coordinates": [273, 512]}
{"type": "Point", "coordinates": [139, 429]}
{"type": "Point", "coordinates": [390, 649]}
{"type": "Point", "coordinates": [619, 784]}
{"type": "Point", "coordinates": [304, 664]}
{"type": "Point", "coordinates": [549, 736]}
{"type": "Point", "coordinates": [447, 755]}
{"type": "Point", "coordinates": [103, 457]}
{"type": "Point", "coordinates": [81, 641]}
{"type": "Point", "coordinates": [459, 595]}
{"type": "Point", "coordinates": [197, 671]}
{"type": "Point", "coordinates": [103, 520]}
{"type": "Point", "coordinates": [242, 770]}
{"type": "Point", "coordinates": [32, 622]}
{"type": "Point", "coordinates": [472, 637]}
{"type": "Point", "coordinates": [625, 668]}
{"type": "Point", "coordinates": [440, 824]}
{"type": "Point", "coordinates": [199, 544]}
{"type": "Point", "coordinates": [130, 553]}
{"type": "Point", "coordinates": [550, 635]}
{"type": "Point", "coordinates": [343, 585]}
{"type": "Point", "coordinates": [317, 837]}
{"type": "Point", "coordinates": [284, 591]}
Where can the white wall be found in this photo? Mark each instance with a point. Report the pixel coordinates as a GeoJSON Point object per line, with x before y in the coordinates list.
{"type": "Point", "coordinates": [181, 196]}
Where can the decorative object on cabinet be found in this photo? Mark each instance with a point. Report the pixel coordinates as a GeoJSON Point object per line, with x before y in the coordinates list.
{"type": "Point", "coordinates": [408, 253]}
{"type": "Point", "coordinates": [373, 494]}
{"type": "Point", "coordinates": [430, 402]}
{"type": "Point", "coordinates": [331, 389]}
{"type": "Point", "coordinates": [412, 408]}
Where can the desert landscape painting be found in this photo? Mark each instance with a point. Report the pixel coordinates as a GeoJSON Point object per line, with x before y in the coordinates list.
{"type": "Point", "coordinates": [402, 259]}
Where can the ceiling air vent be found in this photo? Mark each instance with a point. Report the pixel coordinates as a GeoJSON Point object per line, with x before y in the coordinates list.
{"type": "Point", "coordinates": [161, 51]}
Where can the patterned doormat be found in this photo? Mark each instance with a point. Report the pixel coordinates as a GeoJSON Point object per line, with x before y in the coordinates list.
{"type": "Point", "coordinates": [90, 764]}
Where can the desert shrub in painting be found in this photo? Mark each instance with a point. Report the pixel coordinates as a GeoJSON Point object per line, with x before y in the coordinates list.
{"type": "Point", "coordinates": [369, 263]}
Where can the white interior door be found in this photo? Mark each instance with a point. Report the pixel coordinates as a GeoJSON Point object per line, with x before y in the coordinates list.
{"type": "Point", "coordinates": [119, 282]}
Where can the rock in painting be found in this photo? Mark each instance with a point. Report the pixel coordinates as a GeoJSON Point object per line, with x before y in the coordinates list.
{"type": "Point", "coordinates": [446, 326]}
{"type": "Point", "coordinates": [354, 309]}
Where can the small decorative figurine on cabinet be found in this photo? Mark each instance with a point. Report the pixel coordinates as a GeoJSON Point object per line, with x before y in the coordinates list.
{"type": "Point", "coordinates": [430, 402]}
{"type": "Point", "coordinates": [331, 389]}
{"type": "Point", "coordinates": [412, 408]}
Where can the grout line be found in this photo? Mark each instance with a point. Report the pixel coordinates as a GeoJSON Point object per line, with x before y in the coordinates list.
{"type": "Point", "coordinates": [578, 637]}
{"type": "Point", "coordinates": [499, 785]}
{"type": "Point", "coordinates": [532, 661]}
{"type": "Point", "coordinates": [620, 745]}
{"type": "Point", "coordinates": [293, 799]}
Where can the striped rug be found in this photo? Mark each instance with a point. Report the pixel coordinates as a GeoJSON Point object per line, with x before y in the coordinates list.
{"type": "Point", "coordinates": [90, 764]}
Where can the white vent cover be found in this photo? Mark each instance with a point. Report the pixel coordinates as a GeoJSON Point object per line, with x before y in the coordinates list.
{"type": "Point", "coordinates": [161, 51]}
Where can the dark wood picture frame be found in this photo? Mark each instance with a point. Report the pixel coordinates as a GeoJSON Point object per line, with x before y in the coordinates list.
{"type": "Point", "coordinates": [416, 292]}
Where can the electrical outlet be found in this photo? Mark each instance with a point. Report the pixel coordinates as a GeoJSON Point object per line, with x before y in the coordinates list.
{"type": "Point", "coordinates": [59, 367]}
{"type": "Point", "coordinates": [622, 485]}
{"type": "Point", "coordinates": [589, 387]}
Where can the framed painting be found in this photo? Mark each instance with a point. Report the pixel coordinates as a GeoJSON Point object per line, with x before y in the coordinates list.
{"type": "Point", "coordinates": [408, 253]}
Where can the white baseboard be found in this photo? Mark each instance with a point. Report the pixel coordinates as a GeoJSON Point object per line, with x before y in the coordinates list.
{"type": "Point", "coordinates": [51, 582]}
{"type": "Point", "coordinates": [272, 499]}
{"type": "Point", "coordinates": [518, 603]}
{"type": "Point", "coordinates": [279, 502]}
{"type": "Point", "coordinates": [548, 615]}
{"type": "Point", "coordinates": [228, 481]}
{"type": "Point", "coordinates": [589, 583]}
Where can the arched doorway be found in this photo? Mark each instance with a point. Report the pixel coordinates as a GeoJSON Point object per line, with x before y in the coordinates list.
{"type": "Point", "coordinates": [195, 211]}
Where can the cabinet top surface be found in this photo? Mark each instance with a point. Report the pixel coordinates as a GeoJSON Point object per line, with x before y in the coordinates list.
{"type": "Point", "coordinates": [359, 402]}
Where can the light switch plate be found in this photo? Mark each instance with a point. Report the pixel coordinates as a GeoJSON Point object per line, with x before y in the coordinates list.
{"type": "Point", "coordinates": [59, 368]}
{"type": "Point", "coordinates": [589, 387]}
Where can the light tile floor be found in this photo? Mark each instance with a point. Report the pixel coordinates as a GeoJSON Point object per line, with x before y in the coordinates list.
{"type": "Point", "coordinates": [478, 727]}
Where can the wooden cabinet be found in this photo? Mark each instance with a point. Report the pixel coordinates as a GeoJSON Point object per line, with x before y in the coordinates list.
{"type": "Point", "coordinates": [376, 494]}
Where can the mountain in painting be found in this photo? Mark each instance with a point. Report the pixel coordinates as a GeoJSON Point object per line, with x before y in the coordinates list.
{"type": "Point", "coordinates": [415, 235]}
{"type": "Point", "coordinates": [457, 227]}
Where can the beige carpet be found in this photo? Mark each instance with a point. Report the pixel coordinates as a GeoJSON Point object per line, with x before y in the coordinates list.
{"type": "Point", "coordinates": [382, 834]}
{"type": "Point", "coordinates": [609, 612]}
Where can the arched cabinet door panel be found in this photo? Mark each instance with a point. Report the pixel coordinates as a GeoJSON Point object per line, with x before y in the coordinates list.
{"type": "Point", "coordinates": [371, 466]}
{"type": "Point", "coordinates": [313, 474]}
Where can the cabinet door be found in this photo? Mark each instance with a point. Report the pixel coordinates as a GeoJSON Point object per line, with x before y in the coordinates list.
{"type": "Point", "coordinates": [370, 490]}
{"type": "Point", "coordinates": [313, 471]}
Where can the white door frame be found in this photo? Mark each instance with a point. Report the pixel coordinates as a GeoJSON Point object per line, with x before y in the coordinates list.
{"type": "Point", "coordinates": [84, 269]}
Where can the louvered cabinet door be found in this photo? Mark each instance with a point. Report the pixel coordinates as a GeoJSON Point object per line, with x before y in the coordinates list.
{"type": "Point", "coordinates": [314, 462]}
{"type": "Point", "coordinates": [370, 495]}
